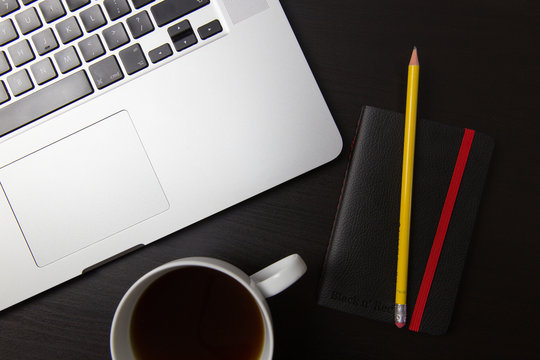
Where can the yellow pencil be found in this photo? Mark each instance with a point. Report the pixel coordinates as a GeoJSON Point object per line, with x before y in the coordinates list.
{"type": "Point", "coordinates": [406, 191]}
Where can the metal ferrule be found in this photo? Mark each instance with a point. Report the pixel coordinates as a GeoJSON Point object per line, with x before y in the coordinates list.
{"type": "Point", "coordinates": [400, 314]}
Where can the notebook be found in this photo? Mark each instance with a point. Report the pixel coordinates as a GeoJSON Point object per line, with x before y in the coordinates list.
{"type": "Point", "coordinates": [122, 121]}
{"type": "Point", "coordinates": [450, 169]}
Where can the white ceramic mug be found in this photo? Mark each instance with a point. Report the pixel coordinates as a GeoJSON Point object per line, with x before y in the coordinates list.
{"type": "Point", "coordinates": [265, 283]}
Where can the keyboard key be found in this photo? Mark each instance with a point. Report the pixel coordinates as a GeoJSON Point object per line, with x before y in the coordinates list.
{"type": "Point", "coordinates": [179, 29]}
{"type": "Point", "coordinates": [44, 41]}
{"type": "Point", "coordinates": [26, 2]}
{"type": "Point", "coordinates": [67, 59]}
{"type": "Point", "coordinates": [185, 42]}
{"type": "Point", "coordinates": [51, 10]}
{"type": "Point", "coordinates": [20, 53]}
{"type": "Point", "coordinates": [133, 59]}
{"type": "Point", "coordinates": [43, 71]}
{"type": "Point", "coordinates": [182, 35]}
{"type": "Point", "coordinates": [210, 29]}
{"type": "Point", "coordinates": [170, 10]}
{"type": "Point", "coordinates": [4, 63]}
{"type": "Point", "coordinates": [106, 72]}
{"type": "Point", "coordinates": [69, 29]}
{"type": "Point", "coordinates": [116, 8]}
{"type": "Point", "coordinates": [8, 6]}
{"type": "Point", "coordinates": [115, 36]}
{"type": "Point", "coordinates": [76, 4]}
{"type": "Point", "coordinates": [4, 96]}
{"type": "Point", "coordinates": [44, 101]}
{"type": "Point", "coordinates": [20, 82]}
{"type": "Point", "coordinates": [93, 18]}
{"type": "Point", "coordinates": [140, 24]}
{"type": "Point", "coordinates": [28, 20]}
{"type": "Point", "coordinates": [160, 53]}
{"type": "Point", "coordinates": [7, 32]}
{"type": "Point", "coordinates": [91, 48]}
{"type": "Point", "coordinates": [140, 3]}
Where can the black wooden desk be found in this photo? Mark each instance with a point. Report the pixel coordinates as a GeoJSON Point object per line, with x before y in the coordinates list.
{"type": "Point", "coordinates": [480, 69]}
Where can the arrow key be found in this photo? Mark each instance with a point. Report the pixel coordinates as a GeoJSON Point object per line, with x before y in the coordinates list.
{"type": "Point", "coordinates": [182, 35]}
{"type": "Point", "coordinates": [185, 42]}
{"type": "Point", "coordinates": [160, 53]}
{"type": "Point", "coordinates": [210, 29]}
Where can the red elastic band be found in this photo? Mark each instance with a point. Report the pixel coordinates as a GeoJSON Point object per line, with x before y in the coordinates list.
{"type": "Point", "coordinates": [438, 241]}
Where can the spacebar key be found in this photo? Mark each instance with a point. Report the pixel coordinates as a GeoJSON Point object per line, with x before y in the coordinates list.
{"type": "Point", "coordinates": [169, 10]}
{"type": "Point", "coordinates": [44, 101]}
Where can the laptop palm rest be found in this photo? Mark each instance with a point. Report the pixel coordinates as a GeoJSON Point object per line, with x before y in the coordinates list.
{"type": "Point", "coordinates": [91, 184]}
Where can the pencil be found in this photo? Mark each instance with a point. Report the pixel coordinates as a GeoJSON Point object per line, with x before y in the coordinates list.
{"type": "Point", "coordinates": [406, 191]}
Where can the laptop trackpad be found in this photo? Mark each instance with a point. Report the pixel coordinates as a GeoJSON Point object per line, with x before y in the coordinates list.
{"type": "Point", "coordinates": [82, 189]}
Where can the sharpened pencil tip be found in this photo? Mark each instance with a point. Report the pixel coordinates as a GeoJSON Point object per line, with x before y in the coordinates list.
{"type": "Point", "coordinates": [414, 57]}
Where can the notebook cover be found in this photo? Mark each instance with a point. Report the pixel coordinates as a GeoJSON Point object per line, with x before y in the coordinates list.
{"type": "Point", "coordinates": [359, 274]}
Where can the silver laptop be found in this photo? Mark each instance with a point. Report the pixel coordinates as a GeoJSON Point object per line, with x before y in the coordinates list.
{"type": "Point", "coordinates": [122, 121]}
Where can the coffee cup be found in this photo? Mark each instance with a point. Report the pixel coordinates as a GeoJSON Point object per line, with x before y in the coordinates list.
{"type": "Point", "coordinates": [201, 308]}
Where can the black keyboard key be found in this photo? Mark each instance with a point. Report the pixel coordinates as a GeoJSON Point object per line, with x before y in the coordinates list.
{"type": "Point", "coordinates": [116, 8]}
{"type": "Point", "coordinates": [170, 10]}
{"type": "Point", "coordinates": [43, 71]}
{"type": "Point", "coordinates": [4, 63]}
{"type": "Point", "coordinates": [210, 29]}
{"type": "Point", "coordinates": [140, 24]}
{"type": "Point", "coordinates": [7, 32]}
{"type": "Point", "coordinates": [160, 53]}
{"type": "Point", "coordinates": [106, 72]}
{"type": "Point", "coordinates": [28, 20]}
{"type": "Point", "coordinates": [133, 59]}
{"type": "Point", "coordinates": [51, 10]}
{"type": "Point", "coordinates": [115, 36]}
{"type": "Point", "coordinates": [4, 96]}
{"type": "Point", "coordinates": [91, 48]}
{"type": "Point", "coordinates": [182, 28]}
{"type": "Point", "coordinates": [185, 42]}
{"type": "Point", "coordinates": [69, 29]}
{"type": "Point", "coordinates": [140, 3]}
{"type": "Point", "coordinates": [21, 53]}
{"type": "Point", "coordinates": [44, 101]}
{"type": "Point", "coordinates": [8, 6]}
{"type": "Point", "coordinates": [20, 82]}
{"type": "Point", "coordinates": [76, 4]}
{"type": "Point", "coordinates": [44, 41]}
{"type": "Point", "coordinates": [67, 59]}
{"type": "Point", "coordinates": [182, 35]}
{"type": "Point", "coordinates": [93, 18]}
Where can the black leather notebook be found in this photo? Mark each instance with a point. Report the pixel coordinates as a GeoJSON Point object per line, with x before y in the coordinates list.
{"type": "Point", "coordinates": [450, 168]}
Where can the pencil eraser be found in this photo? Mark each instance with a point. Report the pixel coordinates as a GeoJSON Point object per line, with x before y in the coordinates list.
{"type": "Point", "coordinates": [400, 324]}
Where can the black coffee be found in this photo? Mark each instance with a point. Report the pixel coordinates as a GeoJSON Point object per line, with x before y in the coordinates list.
{"type": "Point", "coordinates": [196, 313]}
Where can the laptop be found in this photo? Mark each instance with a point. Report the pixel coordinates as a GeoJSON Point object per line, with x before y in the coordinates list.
{"type": "Point", "coordinates": [122, 121]}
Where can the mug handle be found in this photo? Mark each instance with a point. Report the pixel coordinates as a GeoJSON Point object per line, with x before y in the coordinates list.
{"type": "Point", "coordinates": [275, 278]}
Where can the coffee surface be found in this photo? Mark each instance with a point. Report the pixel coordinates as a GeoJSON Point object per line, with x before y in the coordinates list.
{"type": "Point", "coordinates": [196, 313]}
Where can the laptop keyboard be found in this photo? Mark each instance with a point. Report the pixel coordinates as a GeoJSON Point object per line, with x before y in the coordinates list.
{"type": "Point", "coordinates": [57, 52]}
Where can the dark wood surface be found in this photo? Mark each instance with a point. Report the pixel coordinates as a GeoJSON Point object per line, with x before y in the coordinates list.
{"type": "Point", "coordinates": [480, 69]}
